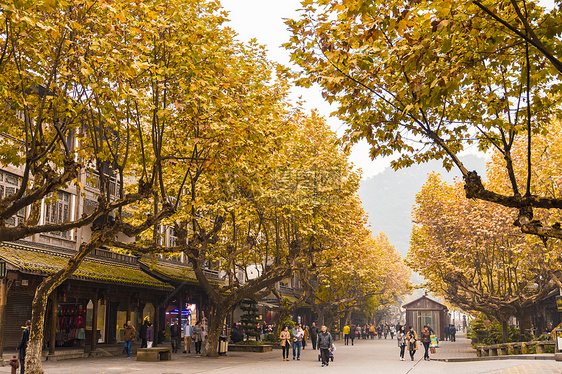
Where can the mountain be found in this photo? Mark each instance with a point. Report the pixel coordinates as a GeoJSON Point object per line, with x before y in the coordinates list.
{"type": "Point", "coordinates": [388, 197]}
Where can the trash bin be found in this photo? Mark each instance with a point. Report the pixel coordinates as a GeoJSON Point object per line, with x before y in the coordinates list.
{"type": "Point", "coordinates": [223, 345]}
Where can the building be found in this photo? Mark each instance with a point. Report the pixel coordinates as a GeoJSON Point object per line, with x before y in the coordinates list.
{"type": "Point", "coordinates": [423, 311]}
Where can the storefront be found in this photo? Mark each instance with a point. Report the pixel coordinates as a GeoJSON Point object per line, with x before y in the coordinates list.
{"type": "Point", "coordinates": [90, 308]}
{"type": "Point", "coordinates": [187, 297]}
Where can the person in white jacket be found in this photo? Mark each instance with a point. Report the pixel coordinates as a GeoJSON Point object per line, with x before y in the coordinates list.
{"type": "Point", "coordinates": [298, 335]}
{"type": "Point", "coordinates": [187, 334]}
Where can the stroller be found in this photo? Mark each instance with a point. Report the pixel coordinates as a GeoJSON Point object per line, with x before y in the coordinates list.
{"type": "Point", "coordinates": [331, 356]}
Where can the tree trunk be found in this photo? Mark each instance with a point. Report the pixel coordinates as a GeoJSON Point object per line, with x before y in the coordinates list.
{"type": "Point", "coordinates": [33, 363]}
{"type": "Point", "coordinates": [524, 323]}
{"type": "Point", "coordinates": [217, 317]}
{"type": "Point", "coordinates": [348, 317]}
{"type": "Point", "coordinates": [504, 330]}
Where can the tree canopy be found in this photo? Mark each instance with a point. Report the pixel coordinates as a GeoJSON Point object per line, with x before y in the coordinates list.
{"type": "Point", "coordinates": [425, 80]}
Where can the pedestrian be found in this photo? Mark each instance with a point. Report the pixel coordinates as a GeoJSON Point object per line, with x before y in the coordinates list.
{"type": "Point", "coordinates": [412, 338]}
{"type": "Point", "coordinates": [385, 331]}
{"type": "Point", "coordinates": [187, 335]}
{"type": "Point", "coordinates": [22, 345]}
{"type": "Point", "coordinates": [305, 337]}
{"type": "Point", "coordinates": [352, 333]}
{"type": "Point", "coordinates": [453, 333]}
{"type": "Point", "coordinates": [298, 335]}
{"type": "Point", "coordinates": [430, 329]}
{"type": "Point", "coordinates": [175, 336]}
{"type": "Point", "coordinates": [130, 333]}
{"type": "Point", "coordinates": [197, 337]}
{"type": "Point", "coordinates": [142, 332]}
{"type": "Point", "coordinates": [401, 337]}
{"type": "Point", "coordinates": [15, 364]}
{"type": "Point", "coordinates": [446, 332]}
{"type": "Point", "coordinates": [392, 331]}
{"type": "Point", "coordinates": [425, 338]}
{"type": "Point", "coordinates": [313, 335]}
{"type": "Point", "coordinates": [149, 335]}
{"type": "Point", "coordinates": [346, 330]}
{"type": "Point", "coordinates": [285, 338]}
{"type": "Point", "coordinates": [324, 345]}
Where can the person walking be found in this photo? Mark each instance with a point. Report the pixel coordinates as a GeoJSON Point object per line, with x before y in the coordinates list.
{"type": "Point", "coordinates": [346, 331]}
{"type": "Point", "coordinates": [187, 335]}
{"type": "Point", "coordinates": [298, 335]}
{"type": "Point", "coordinates": [352, 332]}
{"type": "Point", "coordinates": [425, 338]}
{"type": "Point", "coordinates": [402, 341]}
{"type": "Point", "coordinates": [285, 338]}
{"type": "Point", "coordinates": [446, 330]}
{"type": "Point", "coordinates": [142, 332]}
{"type": "Point", "coordinates": [175, 336]}
{"type": "Point", "coordinates": [452, 333]}
{"type": "Point", "coordinates": [197, 337]}
{"type": "Point", "coordinates": [412, 338]}
{"type": "Point", "coordinates": [305, 337]}
{"type": "Point", "coordinates": [385, 331]}
{"type": "Point", "coordinates": [313, 335]}
{"type": "Point", "coordinates": [130, 333]}
{"type": "Point", "coordinates": [324, 345]}
{"type": "Point", "coordinates": [22, 345]}
{"type": "Point", "coordinates": [149, 335]}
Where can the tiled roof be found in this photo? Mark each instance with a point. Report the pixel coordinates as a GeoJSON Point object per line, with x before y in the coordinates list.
{"type": "Point", "coordinates": [33, 260]}
{"type": "Point", "coordinates": [173, 272]}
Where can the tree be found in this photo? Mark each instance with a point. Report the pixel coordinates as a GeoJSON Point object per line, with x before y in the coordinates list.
{"type": "Point", "coordinates": [425, 80]}
{"type": "Point", "coordinates": [250, 317]}
{"type": "Point", "coordinates": [355, 270]}
{"type": "Point", "coordinates": [468, 251]}
{"type": "Point", "coordinates": [84, 91]}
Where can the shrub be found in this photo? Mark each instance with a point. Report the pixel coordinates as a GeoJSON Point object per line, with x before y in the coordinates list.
{"type": "Point", "coordinates": [544, 337]}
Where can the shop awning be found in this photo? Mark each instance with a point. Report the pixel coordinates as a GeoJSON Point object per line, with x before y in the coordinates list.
{"type": "Point", "coordinates": [30, 259]}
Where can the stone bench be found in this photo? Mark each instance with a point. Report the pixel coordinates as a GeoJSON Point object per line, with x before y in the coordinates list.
{"type": "Point", "coordinates": [154, 354]}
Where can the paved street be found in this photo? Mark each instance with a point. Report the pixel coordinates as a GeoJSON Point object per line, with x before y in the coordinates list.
{"type": "Point", "coordinates": [364, 357]}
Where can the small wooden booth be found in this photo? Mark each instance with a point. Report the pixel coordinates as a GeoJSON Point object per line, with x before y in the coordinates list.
{"type": "Point", "coordinates": [425, 310]}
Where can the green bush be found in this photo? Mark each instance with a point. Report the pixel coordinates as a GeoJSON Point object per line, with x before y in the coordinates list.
{"type": "Point", "coordinates": [271, 337]}
{"type": "Point", "coordinates": [513, 334]}
{"type": "Point", "coordinates": [543, 337]}
{"type": "Point", "coordinates": [250, 342]}
{"type": "Point", "coordinates": [549, 349]}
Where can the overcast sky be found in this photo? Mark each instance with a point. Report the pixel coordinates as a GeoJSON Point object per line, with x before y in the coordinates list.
{"type": "Point", "coordinates": [263, 20]}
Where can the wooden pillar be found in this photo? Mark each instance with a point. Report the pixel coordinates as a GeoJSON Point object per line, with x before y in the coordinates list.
{"type": "Point", "coordinates": [54, 322]}
{"type": "Point", "coordinates": [3, 302]}
{"type": "Point", "coordinates": [95, 313]}
{"type": "Point", "coordinates": [128, 309]}
{"type": "Point", "coordinates": [156, 322]}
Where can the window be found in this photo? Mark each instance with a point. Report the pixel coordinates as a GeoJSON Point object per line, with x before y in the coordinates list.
{"type": "Point", "coordinates": [58, 211]}
{"type": "Point", "coordinates": [172, 238]}
{"type": "Point", "coordinates": [9, 184]}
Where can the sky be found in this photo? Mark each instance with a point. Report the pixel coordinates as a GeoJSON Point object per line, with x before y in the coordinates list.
{"type": "Point", "coordinates": [263, 20]}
